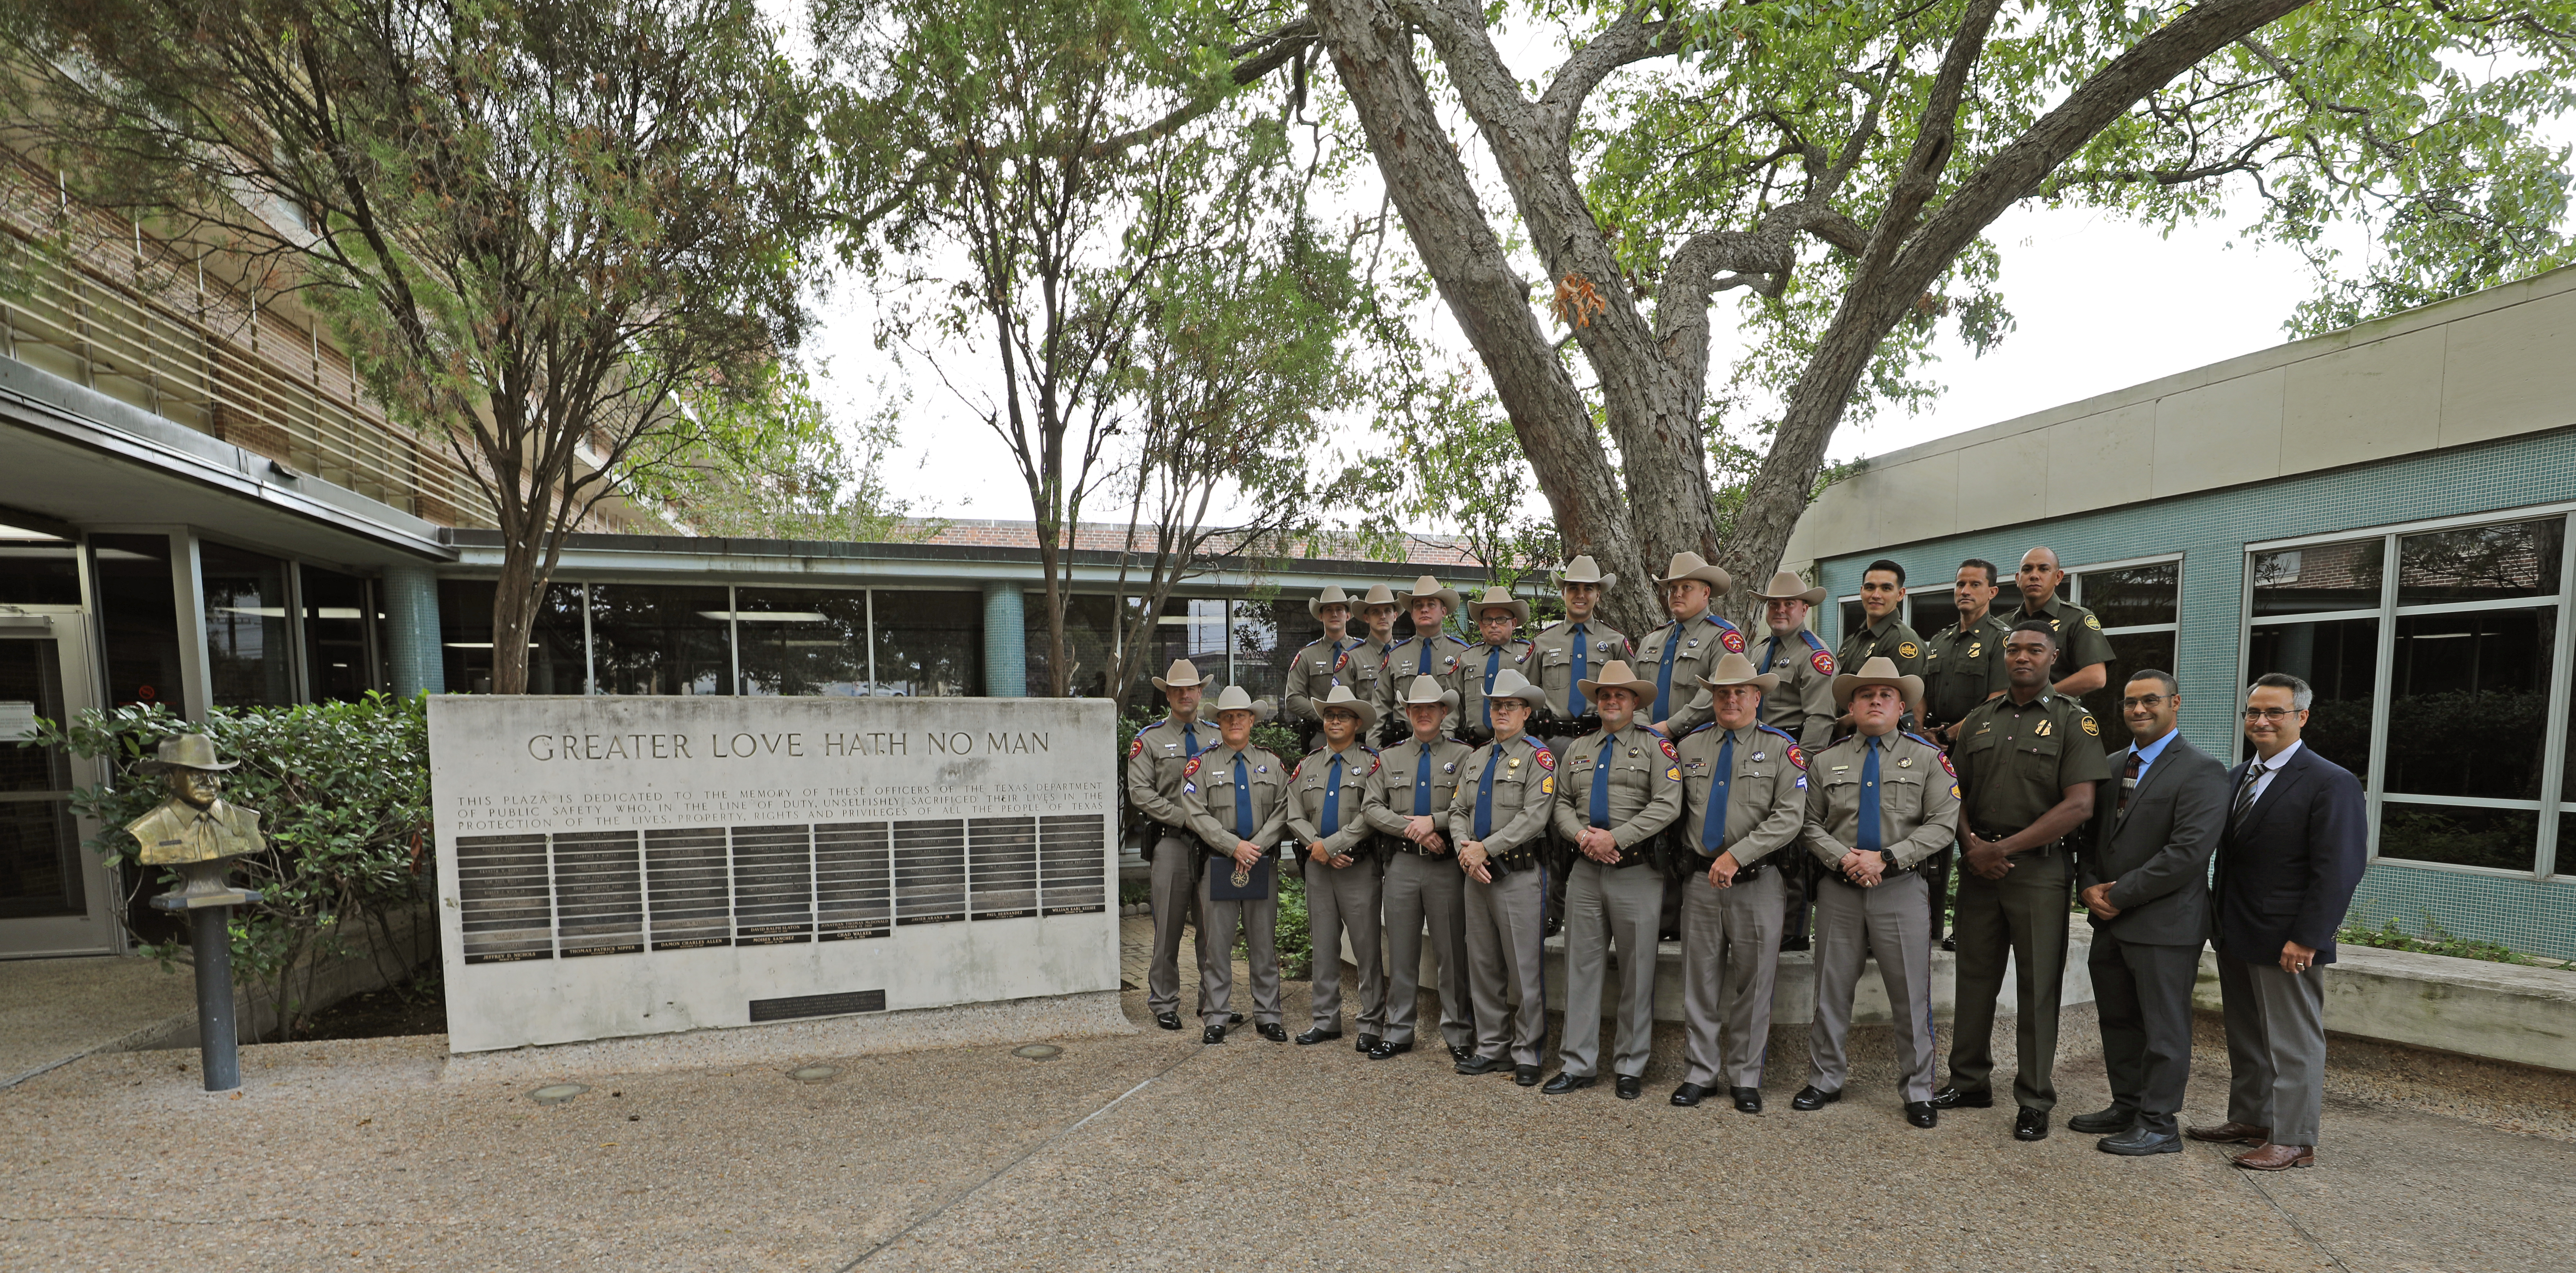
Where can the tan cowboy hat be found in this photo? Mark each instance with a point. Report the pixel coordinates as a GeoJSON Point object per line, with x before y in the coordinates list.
{"type": "Point", "coordinates": [1427, 586]}
{"type": "Point", "coordinates": [1500, 598]}
{"type": "Point", "coordinates": [1787, 586]}
{"type": "Point", "coordinates": [1694, 566]}
{"type": "Point", "coordinates": [1617, 675]}
{"type": "Point", "coordinates": [1233, 699]}
{"type": "Point", "coordinates": [1342, 698]}
{"type": "Point", "coordinates": [1378, 595]}
{"type": "Point", "coordinates": [1878, 671]}
{"type": "Point", "coordinates": [1332, 595]}
{"type": "Point", "coordinates": [1585, 570]}
{"type": "Point", "coordinates": [1426, 691]}
{"type": "Point", "coordinates": [1511, 684]}
{"type": "Point", "coordinates": [1182, 674]}
{"type": "Point", "coordinates": [1735, 669]}
{"type": "Point", "coordinates": [186, 751]}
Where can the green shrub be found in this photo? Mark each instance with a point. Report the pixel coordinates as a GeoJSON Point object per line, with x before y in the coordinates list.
{"type": "Point", "coordinates": [343, 795]}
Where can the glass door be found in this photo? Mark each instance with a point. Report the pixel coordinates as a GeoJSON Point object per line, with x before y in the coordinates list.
{"type": "Point", "coordinates": [54, 895]}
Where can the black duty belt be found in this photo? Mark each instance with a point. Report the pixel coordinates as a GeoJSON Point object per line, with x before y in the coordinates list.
{"type": "Point", "coordinates": [1500, 865]}
{"type": "Point", "coordinates": [1743, 871]}
{"type": "Point", "coordinates": [1996, 837]}
{"type": "Point", "coordinates": [1891, 873]}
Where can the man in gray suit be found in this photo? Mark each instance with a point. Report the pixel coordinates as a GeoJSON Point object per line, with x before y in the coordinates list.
{"type": "Point", "coordinates": [2146, 883]}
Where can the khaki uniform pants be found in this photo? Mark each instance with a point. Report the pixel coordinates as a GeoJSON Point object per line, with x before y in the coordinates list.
{"type": "Point", "coordinates": [1607, 906]}
{"type": "Point", "coordinates": [1730, 962]}
{"type": "Point", "coordinates": [2023, 915]}
{"type": "Point", "coordinates": [1503, 968]}
{"type": "Point", "coordinates": [1426, 892]}
{"type": "Point", "coordinates": [1335, 900]}
{"type": "Point", "coordinates": [1217, 923]}
{"type": "Point", "coordinates": [1887, 923]}
{"type": "Point", "coordinates": [1170, 879]}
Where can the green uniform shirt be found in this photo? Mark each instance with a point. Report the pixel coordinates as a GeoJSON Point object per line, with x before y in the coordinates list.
{"type": "Point", "coordinates": [1766, 795]}
{"type": "Point", "coordinates": [2080, 643]}
{"type": "Point", "coordinates": [1918, 804]}
{"type": "Point", "coordinates": [1891, 640]}
{"type": "Point", "coordinates": [1963, 665]}
{"type": "Point", "coordinates": [2016, 760]}
{"type": "Point", "coordinates": [1645, 792]}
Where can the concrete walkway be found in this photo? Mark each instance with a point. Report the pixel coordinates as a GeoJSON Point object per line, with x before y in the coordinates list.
{"type": "Point", "coordinates": [55, 1011]}
{"type": "Point", "coordinates": [1151, 1151]}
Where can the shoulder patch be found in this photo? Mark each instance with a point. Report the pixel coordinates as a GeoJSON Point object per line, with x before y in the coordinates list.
{"type": "Point", "coordinates": [1954, 791]}
{"type": "Point", "coordinates": [2093, 621]}
{"type": "Point", "coordinates": [1546, 758]}
{"type": "Point", "coordinates": [1191, 770]}
{"type": "Point", "coordinates": [1136, 748]}
{"type": "Point", "coordinates": [1823, 662]}
{"type": "Point", "coordinates": [2090, 727]}
{"type": "Point", "coordinates": [1733, 640]}
{"type": "Point", "coordinates": [1908, 650]}
{"type": "Point", "coordinates": [1667, 745]}
{"type": "Point", "coordinates": [1798, 756]}
{"type": "Point", "coordinates": [1673, 773]}
{"type": "Point", "coordinates": [1948, 768]}
{"type": "Point", "coordinates": [1342, 661]}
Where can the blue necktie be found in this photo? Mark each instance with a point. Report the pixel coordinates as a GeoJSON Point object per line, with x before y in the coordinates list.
{"type": "Point", "coordinates": [1664, 678]}
{"type": "Point", "coordinates": [1582, 669]}
{"type": "Point", "coordinates": [1493, 664]}
{"type": "Point", "coordinates": [1190, 740]}
{"type": "Point", "coordinates": [1712, 830]}
{"type": "Point", "coordinates": [1422, 784]}
{"type": "Point", "coordinates": [1242, 800]}
{"type": "Point", "coordinates": [1485, 796]}
{"type": "Point", "coordinates": [1871, 837]}
{"type": "Point", "coordinates": [1333, 796]}
{"type": "Point", "coordinates": [1600, 808]}
{"type": "Point", "coordinates": [1770, 652]}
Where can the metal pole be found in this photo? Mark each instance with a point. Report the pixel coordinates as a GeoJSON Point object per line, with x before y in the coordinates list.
{"type": "Point", "coordinates": [218, 1037]}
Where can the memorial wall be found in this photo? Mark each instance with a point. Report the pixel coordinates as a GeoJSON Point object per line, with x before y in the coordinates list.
{"type": "Point", "coordinates": [615, 866]}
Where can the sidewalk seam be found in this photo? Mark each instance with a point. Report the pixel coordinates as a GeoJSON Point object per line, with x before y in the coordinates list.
{"type": "Point", "coordinates": [2286, 1218]}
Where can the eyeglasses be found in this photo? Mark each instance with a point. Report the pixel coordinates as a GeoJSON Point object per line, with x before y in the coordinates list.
{"type": "Point", "coordinates": [2151, 702]}
{"type": "Point", "coordinates": [2270, 713]}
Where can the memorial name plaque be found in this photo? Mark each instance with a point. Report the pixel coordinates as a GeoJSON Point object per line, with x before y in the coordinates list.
{"type": "Point", "coordinates": [616, 866]}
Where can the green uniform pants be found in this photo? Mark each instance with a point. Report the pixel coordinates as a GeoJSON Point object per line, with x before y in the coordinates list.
{"type": "Point", "coordinates": [2023, 916]}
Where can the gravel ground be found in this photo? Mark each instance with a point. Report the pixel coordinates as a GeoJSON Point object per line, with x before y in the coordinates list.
{"type": "Point", "coordinates": [1151, 1151]}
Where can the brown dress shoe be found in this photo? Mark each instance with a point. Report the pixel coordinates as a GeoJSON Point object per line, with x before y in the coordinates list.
{"type": "Point", "coordinates": [2230, 1134]}
{"type": "Point", "coordinates": [2269, 1157]}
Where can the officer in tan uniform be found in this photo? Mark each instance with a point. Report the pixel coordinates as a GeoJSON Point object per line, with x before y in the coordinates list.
{"type": "Point", "coordinates": [1341, 861]}
{"type": "Point", "coordinates": [2028, 762]}
{"type": "Point", "coordinates": [1617, 791]}
{"type": "Point", "coordinates": [1500, 810]}
{"type": "Point", "coordinates": [1801, 707]}
{"type": "Point", "coordinates": [1408, 802]}
{"type": "Point", "coordinates": [1430, 651]}
{"type": "Point", "coordinates": [1372, 640]}
{"type": "Point", "coordinates": [1320, 664]}
{"type": "Point", "coordinates": [1234, 797]}
{"type": "Point", "coordinates": [1747, 790]}
{"type": "Point", "coordinates": [1878, 803]}
{"type": "Point", "coordinates": [1572, 649]}
{"type": "Point", "coordinates": [1677, 654]}
{"type": "Point", "coordinates": [1498, 614]}
{"type": "Point", "coordinates": [1963, 665]}
{"type": "Point", "coordinates": [1155, 761]}
{"type": "Point", "coordinates": [2083, 653]}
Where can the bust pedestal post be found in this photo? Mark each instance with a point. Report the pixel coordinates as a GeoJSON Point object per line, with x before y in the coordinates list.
{"type": "Point", "coordinates": [209, 903]}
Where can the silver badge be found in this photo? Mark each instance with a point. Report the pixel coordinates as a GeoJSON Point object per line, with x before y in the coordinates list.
{"type": "Point", "coordinates": [1757, 755]}
{"type": "Point", "coordinates": [1450, 768]}
{"type": "Point", "coordinates": [1261, 769]}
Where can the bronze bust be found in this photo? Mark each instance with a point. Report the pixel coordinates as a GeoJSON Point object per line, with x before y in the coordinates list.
{"type": "Point", "coordinates": [194, 825]}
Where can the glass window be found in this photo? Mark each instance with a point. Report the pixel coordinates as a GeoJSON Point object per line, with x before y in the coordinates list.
{"type": "Point", "coordinates": [2469, 703]}
{"type": "Point", "coordinates": [2133, 596]}
{"type": "Point", "coordinates": [1933, 611]}
{"type": "Point", "coordinates": [2131, 653]}
{"type": "Point", "coordinates": [138, 619]}
{"type": "Point", "coordinates": [1091, 642]}
{"type": "Point", "coordinates": [1193, 628]}
{"type": "Point", "coordinates": [2480, 563]}
{"type": "Point", "coordinates": [38, 570]}
{"type": "Point", "coordinates": [555, 662]}
{"type": "Point", "coordinates": [339, 635]}
{"type": "Point", "coordinates": [2319, 577]}
{"type": "Point", "coordinates": [1267, 636]}
{"type": "Point", "coordinates": [659, 639]}
{"type": "Point", "coordinates": [802, 641]}
{"type": "Point", "coordinates": [249, 662]}
{"type": "Point", "coordinates": [40, 854]}
{"type": "Point", "coordinates": [2339, 661]}
{"type": "Point", "coordinates": [2506, 839]}
{"type": "Point", "coordinates": [1853, 620]}
{"type": "Point", "coordinates": [930, 644]}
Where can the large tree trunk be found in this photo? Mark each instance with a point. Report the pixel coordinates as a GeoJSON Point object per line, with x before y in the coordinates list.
{"type": "Point", "coordinates": [514, 610]}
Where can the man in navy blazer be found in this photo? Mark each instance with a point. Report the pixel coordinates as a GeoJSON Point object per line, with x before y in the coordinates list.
{"type": "Point", "coordinates": [2294, 850]}
{"type": "Point", "coordinates": [2146, 882]}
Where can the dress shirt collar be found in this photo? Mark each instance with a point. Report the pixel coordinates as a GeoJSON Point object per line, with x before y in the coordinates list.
{"type": "Point", "coordinates": [2147, 754]}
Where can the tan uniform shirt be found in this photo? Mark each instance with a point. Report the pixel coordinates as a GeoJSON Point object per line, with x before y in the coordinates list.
{"type": "Point", "coordinates": [1312, 782]}
{"type": "Point", "coordinates": [1803, 704]}
{"type": "Point", "coordinates": [1524, 792]}
{"type": "Point", "coordinates": [1644, 793]}
{"type": "Point", "coordinates": [1440, 657]}
{"type": "Point", "coordinates": [1312, 674]}
{"type": "Point", "coordinates": [1154, 764]}
{"type": "Point", "coordinates": [1403, 771]}
{"type": "Point", "coordinates": [1918, 803]}
{"type": "Point", "coordinates": [1207, 797]}
{"type": "Point", "coordinates": [1963, 665]}
{"type": "Point", "coordinates": [1766, 790]}
{"type": "Point", "coordinates": [1551, 665]}
{"type": "Point", "coordinates": [1696, 643]}
{"type": "Point", "coordinates": [1510, 656]}
{"type": "Point", "coordinates": [2080, 643]}
{"type": "Point", "coordinates": [1367, 663]}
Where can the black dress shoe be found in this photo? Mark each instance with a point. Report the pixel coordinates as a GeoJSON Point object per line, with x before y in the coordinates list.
{"type": "Point", "coordinates": [2109, 1122]}
{"type": "Point", "coordinates": [2030, 1124]}
{"type": "Point", "coordinates": [1273, 1031]}
{"type": "Point", "coordinates": [1212, 1034]}
{"type": "Point", "coordinates": [1384, 1050]}
{"type": "Point", "coordinates": [1168, 1020]}
{"type": "Point", "coordinates": [1809, 1098]}
{"type": "Point", "coordinates": [1525, 1075]}
{"type": "Point", "coordinates": [1747, 1099]}
{"type": "Point", "coordinates": [1234, 1018]}
{"type": "Point", "coordinates": [1953, 1098]}
{"type": "Point", "coordinates": [1950, 943]}
{"type": "Point", "coordinates": [1922, 1114]}
{"type": "Point", "coordinates": [1629, 1086]}
{"type": "Point", "coordinates": [1688, 1094]}
{"type": "Point", "coordinates": [2138, 1142]}
{"type": "Point", "coordinates": [1316, 1035]}
{"type": "Point", "coordinates": [1795, 943]}
{"type": "Point", "coordinates": [1564, 1083]}
{"type": "Point", "coordinates": [1367, 1043]}
{"type": "Point", "coordinates": [1460, 1051]}
{"type": "Point", "coordinates": [1479, 1065]}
